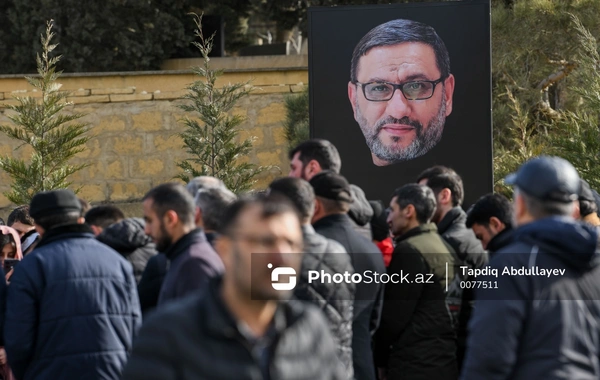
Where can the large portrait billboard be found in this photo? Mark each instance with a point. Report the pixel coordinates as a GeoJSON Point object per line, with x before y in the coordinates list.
{"type": "Point", "coordinates": [400, 88]}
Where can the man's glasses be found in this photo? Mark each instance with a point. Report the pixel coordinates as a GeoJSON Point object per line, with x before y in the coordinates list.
{"type": "Point", "coordinates": [384, 91]}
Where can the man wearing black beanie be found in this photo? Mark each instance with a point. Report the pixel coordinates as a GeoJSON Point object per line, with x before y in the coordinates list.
{"type": "Point", "coordinates": [72, 308]}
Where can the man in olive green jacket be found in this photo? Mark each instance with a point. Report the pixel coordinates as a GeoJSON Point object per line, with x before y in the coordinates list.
{"type": "Point", "coordinates": [416, 338]}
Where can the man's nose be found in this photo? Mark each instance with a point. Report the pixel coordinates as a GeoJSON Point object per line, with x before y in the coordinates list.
{"type": "Point", "coordinates": [398, 106]}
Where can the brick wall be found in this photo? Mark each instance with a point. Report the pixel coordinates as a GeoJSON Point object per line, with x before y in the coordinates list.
{"type": "Point", "coordinates": [135, 121]}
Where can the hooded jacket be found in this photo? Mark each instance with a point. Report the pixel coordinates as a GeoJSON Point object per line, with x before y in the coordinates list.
{"type": "Point", "coordinates": [535, 326]}
{"type": "Point", "coordinates": [129, 239]}
{"type": "Point", "coordinates": [360, 212]}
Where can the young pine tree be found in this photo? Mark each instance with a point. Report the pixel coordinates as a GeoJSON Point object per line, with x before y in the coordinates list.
{"type": "Point", "coordinates": [212, 140]}
{"type": "Point", "coordinates": [55, 136]}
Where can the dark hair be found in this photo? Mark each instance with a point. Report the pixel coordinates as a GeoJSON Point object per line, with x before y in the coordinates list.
{"type": "Point", "coordinates": [20, 214]}
{"type": "Point", "coordinates": [322, 151]}
{"type": "Point", "coordinates": [421, 197]}
{"type": "Point", "coordinates": [440, 178]}
{"type": "Point", "coordinates": [103, 216]}
{"type": "Point", "coordinates": [6, 239]}
{"type": "Point", "coordinates": [271, 205]}
{"type": "Point", "coordinates": [490, 205]}
{"type": "Point", "coordinates": [172, 196]}
{"type": "Point", "coordinates": [213, 202]}
{"type": "Point", "coordinates": [396, 32]}
{"type": "Point", "coordinates": [49, 222]}
{"type": "Point", "coordinates": [298, 191]}
{"type": "Point", "coordinates": [587, 207]}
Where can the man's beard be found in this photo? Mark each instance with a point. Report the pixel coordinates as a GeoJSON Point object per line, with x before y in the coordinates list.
{"type": "Point", "coordinates": [424, 139]}
{"type": "Point", "coordinates": [164, 241]}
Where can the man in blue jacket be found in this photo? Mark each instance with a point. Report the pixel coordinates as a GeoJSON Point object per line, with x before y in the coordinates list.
{"type": "Point", "coordinates": [537, 312]}
{"type": "Point", "coordinates": [72, 308]}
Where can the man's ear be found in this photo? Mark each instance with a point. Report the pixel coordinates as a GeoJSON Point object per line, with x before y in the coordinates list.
{"type": "Point", "coordinates": [496, 224]}
{"type": "Point", "coordinates": [198, 216]}
{"type": "Point", "coordinates": [449, 91]}
{"type": "Point", "coordinates": [170, 219]}
{"type": "Point", "coordinates": [409, 211]}
{"type": "Point", "coordinates": [445, 196]}
{"type": "Point", "coordinates": [352, 97]}
{"type": "Point", "coordinates": [312, 168]}
{"type": "Point", "coordinates": [577, 210]}
{"type": "Point", "coordinates": [318, 210]}
{"type": "Point", "coordinates": [96, 229]}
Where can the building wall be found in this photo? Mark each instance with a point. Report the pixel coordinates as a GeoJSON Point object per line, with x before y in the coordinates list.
{"type": "Point", "coordinates": [134, 121]}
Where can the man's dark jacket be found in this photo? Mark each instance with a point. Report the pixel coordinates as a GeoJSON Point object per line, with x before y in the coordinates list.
{"type": "Point", "coordinates": [534, 326]}
{"type": "Point", "coordinates": [454, 230]}
{"type": "Point", "coordinates": [151, 282]}
{"type": "Point", "coordinates": [416, 339]}
{"type": "Point", "coordinates": [192, 263]}
{"type": "Point", "coordinates": [498, 242]}
{"type": "Point", "coordinates": [198, 338]}
{"type": "Point", "coordinates": [129, 239]}
{"type": "Point", "coordinates": [501, 240]}
{"type": "Point", "coordinates": [335, 300]}
{"type": "Point", "coordinates": [469, 252]}
{"type": "Point", "coordinates": [72, 309]}
{"type": "Point", "coordinates": [368, 298]}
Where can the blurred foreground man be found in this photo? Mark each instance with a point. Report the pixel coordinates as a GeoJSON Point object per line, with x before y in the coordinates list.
{"type": "Point", "coordinates": [544, 322]}
{"type": "Point", "coordinates": [72, 307]}
{"type": "Point", "coordinates": [239, 328]}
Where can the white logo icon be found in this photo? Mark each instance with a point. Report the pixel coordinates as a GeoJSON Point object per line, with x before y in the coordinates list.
{"type": "Point", "coordinates": [291, 284]}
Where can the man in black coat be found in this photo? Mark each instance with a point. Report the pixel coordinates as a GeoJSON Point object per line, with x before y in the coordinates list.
{"type": "Point", "coordinates": [322, 255]}
{"type": "Point", "coordinates": [72, 309]}
{"type": "Point", "coordinates": [333, 199]}
{"type": "Point", "coordinates": [416, 339]}
{"type": "Point", "coordinates": [239, 329]}
{"type": "Point", "coordinates": [540, 319]}
{"type": "Point", "coordinates": [169, 212]}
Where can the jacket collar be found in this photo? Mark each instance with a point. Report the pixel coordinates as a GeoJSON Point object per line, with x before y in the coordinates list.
{"type": "Point", "coordinates": [64, 232]}
{"type": "Point", "coordinates": [422, 229]}
{"type": "Point", "coordinates": [455, 215]}
{"type": "Point", "coordinates": [221, 322]}
{"type": "Point", "coordinates": [501, 240]}
{"type": "Point", "coordinates": [181, 245]}
{"type": "Point", "coordinates": [334, 219]}
{"type": "Point", "coordinates": [308, 230]}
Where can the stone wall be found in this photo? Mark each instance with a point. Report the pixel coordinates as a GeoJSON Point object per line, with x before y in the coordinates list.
{"type": "Point", "coordinates": [135, 121]}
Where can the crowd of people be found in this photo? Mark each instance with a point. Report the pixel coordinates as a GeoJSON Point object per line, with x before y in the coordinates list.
{"type": "Point", "coordinates": [214, 285]}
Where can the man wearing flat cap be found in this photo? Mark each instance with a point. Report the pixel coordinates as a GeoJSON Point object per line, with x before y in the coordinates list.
{"type": "Point", "coordinates": [333, 199]}
{"type": "Point", "coordinates": [539, 316]}
{"type": "Point", "coordinates": [72, 306]}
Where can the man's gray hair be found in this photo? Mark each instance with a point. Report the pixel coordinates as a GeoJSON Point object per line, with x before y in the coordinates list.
{"type": "Point", "coordinates": [203, 182]}
{"type": "Point", "coordinates": [213, 202]}
{"type": "Point", "coordinates": [542, 209]}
